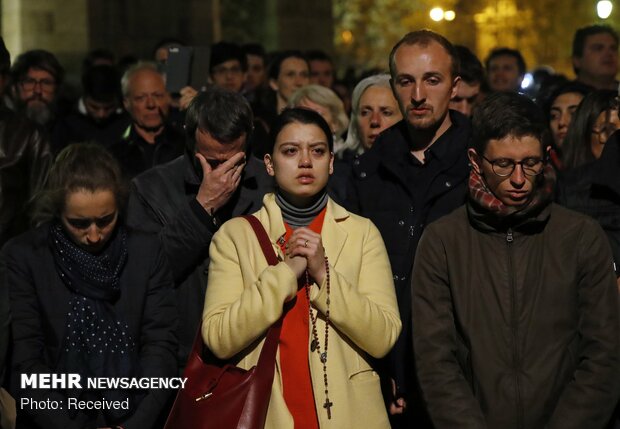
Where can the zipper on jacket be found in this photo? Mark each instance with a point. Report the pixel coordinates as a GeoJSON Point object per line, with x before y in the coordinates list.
{"type": "Point", "coordinates": [514, 322]}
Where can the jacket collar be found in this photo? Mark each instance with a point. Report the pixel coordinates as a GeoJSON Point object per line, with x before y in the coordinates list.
{"type": "Point", "coordinates": [392, 149]}
{"type": "Point", "coordinates": [333, 235]}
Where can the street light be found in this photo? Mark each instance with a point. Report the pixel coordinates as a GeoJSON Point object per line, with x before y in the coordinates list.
{"type": "Point", "coordinates": [603, 9]}
{"type": "Point", "coordinates": [449, 15]}
{"type": "Point", "coordinates": [436, 14]}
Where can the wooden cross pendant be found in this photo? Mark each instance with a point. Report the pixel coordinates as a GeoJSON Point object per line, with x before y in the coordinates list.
{"type": "Point", "coordinates": [328, 406]}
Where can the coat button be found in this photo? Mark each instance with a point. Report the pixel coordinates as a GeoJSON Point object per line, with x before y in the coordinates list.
{"type": "Point", "coordinates": [448, 184]}
{"type": "Point", "coordinates": [356, 162]}
{"type": "Point", "coordinates": [401, 223]}
{"type": "Point", "coordinates": [395, 278]}
{"type": "Point", "coordinates": [363, 174]}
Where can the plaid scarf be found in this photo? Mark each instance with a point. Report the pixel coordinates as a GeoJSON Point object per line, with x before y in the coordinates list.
{"type": "Point", "coordinates": [483, 202]}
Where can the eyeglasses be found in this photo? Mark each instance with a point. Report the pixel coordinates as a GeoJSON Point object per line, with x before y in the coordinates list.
{"type": "Point", "coordinates": [29, 84]}
{"type": "Point", "coordinates": [86, 222]}
{"type": "Point", "coordinates": [503, 167]}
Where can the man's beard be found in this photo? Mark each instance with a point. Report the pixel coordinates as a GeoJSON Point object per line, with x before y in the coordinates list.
{"type": "Point", "coordinates": [40, 113]}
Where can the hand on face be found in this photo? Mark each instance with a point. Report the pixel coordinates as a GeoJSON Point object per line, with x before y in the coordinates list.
{"type": "Point", "coordinates": [307, 245]}
{"type": "Point", "coordinates": [219, 183]}
{"type": "Point", "coordinates": [187, 95]}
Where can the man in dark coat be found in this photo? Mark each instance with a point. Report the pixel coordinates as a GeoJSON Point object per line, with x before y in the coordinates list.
{"type": "Point", "coordinates": [150, 140]}
{"type": "Point", "coordinates": [186, 200]}
{"type": "Point", "coordinates": [25, 160]}
{"type": "Point", "coordinates": [415, 173]}
{"type": "Point", "coordinates": [515, 306]}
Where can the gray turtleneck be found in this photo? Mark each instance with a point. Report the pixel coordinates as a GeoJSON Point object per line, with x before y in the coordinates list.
{"type": "Point", "coordinates": [300, 216]}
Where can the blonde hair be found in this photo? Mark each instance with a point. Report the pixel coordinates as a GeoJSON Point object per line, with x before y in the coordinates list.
{"type": "Point", "coordinates": [325, 97]}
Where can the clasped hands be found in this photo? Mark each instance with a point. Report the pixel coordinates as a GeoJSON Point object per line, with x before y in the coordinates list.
{"type": "Point", "coordinates": [304, 250]}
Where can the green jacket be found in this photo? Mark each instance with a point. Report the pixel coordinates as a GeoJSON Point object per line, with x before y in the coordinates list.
{"type": "Point", "coordinates": [516, 327]}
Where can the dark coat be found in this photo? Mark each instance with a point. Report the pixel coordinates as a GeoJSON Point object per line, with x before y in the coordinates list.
{"type": "Point", "coordinates": [39, 307]}
{"type": "Point", "coordinates": [516, 328]}
{"type": "Point", "coordinates": [131, 155]}
{"type": "Point", "coordinates": [594, 189]}
{"type": "Point", "coordinates": [80, 128]}
{"type": "Point", "coordinates": [379, 191]}
{"type": "Point", "coordinates": [25, 158]}
{"type": "Point", "coordinates": [163, 200]}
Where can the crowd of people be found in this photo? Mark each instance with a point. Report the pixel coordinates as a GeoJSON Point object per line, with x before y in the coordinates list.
{"type": "Point", "coordinates": [448, 241]}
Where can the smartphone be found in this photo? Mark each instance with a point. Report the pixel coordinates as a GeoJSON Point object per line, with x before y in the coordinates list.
{"type": "Point", "coordinates": [178, 68]}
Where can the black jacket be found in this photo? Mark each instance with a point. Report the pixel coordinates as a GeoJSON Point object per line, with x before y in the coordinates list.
{"type": "Point", "coordinates": [380, 191]}
{"type": "Point", "coordinates": [516, 328]}
{"type": "Point", "coordinates": [39, 307]}
{"type": "Point", "coordinates": [79, 128]}
{"type": "Point", "coordinates": [134, 153]}
{"type": "Point", "coordinates": [594, 189]}
{"type": "Point", "coordinates": [163, 200]}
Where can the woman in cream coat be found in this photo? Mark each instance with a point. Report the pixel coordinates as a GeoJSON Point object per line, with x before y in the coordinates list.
{"type": "Point", "coordinates": [344, 271]}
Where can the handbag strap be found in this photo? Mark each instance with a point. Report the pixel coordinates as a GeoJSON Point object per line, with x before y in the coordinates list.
{"type": "Point", "coordinates": [263, 239]}
{"type": "Point", "coordinates": [268, 352]}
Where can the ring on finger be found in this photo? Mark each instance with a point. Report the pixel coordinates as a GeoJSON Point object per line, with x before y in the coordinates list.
{"type": "Point", "coordinates": [306, 243]}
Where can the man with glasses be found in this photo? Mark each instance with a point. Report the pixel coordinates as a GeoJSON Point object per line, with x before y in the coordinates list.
{"type": "Point", "coordinates": [515, 306]}
{"type": "Point", "coordinates": [228, 66]}
{"type": "Point", "coordinates": [35, 79]}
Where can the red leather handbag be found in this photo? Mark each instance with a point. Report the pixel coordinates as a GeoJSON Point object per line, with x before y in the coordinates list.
{"type": "Point", "coordinates": [223, 396]}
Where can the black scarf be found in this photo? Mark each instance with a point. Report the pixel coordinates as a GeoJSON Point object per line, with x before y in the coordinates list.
{"type": "Point", "coordinates": [97, 343]}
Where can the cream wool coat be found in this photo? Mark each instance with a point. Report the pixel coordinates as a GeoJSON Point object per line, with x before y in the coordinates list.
{"type": "Point", "coordinates": [245, 297]}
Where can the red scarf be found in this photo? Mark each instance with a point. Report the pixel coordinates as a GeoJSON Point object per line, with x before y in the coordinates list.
{"type": "Point", "coordinates": [296, 378]}
{"type": "Point", "coordinates": [480, 195]}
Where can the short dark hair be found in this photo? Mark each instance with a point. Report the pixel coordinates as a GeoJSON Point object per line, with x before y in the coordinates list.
{"type": "Point", "coordinates": [102, 83]}
{"type": "Point", "coordinates": [471, 70]}
{"type": "Point", "coordinates": [507, 113]}
{"type": "Point", "coordinates": [38, 59]}
{"type": "Point", "coordinates": [87, 166]}
{"type": "Point", "coordinates": [226, 51]}
{"type": "Point", "coordinates": [255, 49]}
{"type": "Point", "coordinates": [424, 38]}
{"type": "Point", "coordinates": [318, 55]}
{"type": "Point", "coordinates": [579, 41]}
{"type": "Point", "coordinates": [561, 89]}
{"type": "Point", "coordinates": [509, 52]}
{"type": "Point", "coordinates": [278, 59]}
{"type": "Point", "coordinates": [223, 114]}
{"type": "Point", "coordinates": [303, 116]}
{"type": "Point", "coordinates": [94, 55]}
{"type": "Point", "coordinates": [576, 147]}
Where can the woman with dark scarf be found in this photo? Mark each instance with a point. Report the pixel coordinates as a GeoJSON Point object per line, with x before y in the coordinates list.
{"type": "Point", "coordinates": [88, 297]}
{"type": "Point", "coordinates": [333, 288]}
